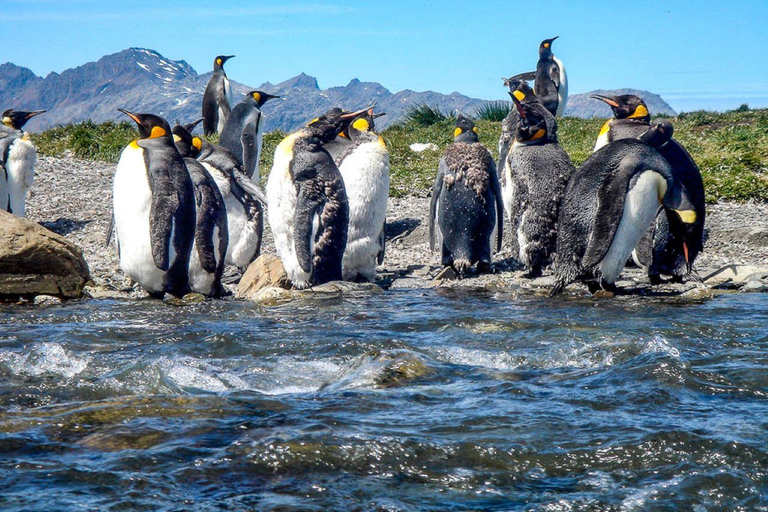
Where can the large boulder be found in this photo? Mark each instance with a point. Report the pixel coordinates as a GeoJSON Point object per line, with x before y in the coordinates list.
{"type": "Point", "coordinates": [35, 261]}
{"type": "Point", "coordinates": [265, 272]}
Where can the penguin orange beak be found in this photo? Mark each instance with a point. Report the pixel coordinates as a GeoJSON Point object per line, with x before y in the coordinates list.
{"type": "Point", "coordinates": [518, 106]}
{"type": "Point", "coordinates": [378, 114]}
{"type": "Point", "coordinates": [607, 99]}
{"type": "Point", "coordinates": [350, 115]}
{"type": "Point", "coordinates": [33, 114]}
{"type": "Point", "coordinates": [131, 115]}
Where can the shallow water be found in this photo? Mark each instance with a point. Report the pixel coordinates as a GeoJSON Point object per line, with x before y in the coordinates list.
{"type": "Point", "coordinates": [399, 401]}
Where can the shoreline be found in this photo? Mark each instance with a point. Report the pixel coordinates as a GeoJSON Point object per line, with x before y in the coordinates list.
{"type": "Point", "coordinates": [73, 198]}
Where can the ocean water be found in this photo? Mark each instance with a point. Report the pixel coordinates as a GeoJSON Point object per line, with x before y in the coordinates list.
{"type": "Point", "coordinates": [436, 400]}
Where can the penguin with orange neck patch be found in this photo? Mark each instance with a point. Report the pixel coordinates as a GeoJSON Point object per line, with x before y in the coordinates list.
{"type": "Point", "coordinates": [537, 170]}
{"type": "Point", "coordinates": [154, 209]}
{"type": "Point", "coordinates": [630, 118]}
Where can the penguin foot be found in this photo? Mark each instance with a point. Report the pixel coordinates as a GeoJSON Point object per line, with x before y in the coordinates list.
{"type": "Point", "coordinates": [485, 267]}
{"type": "Point", "coordinates": [655, 279]}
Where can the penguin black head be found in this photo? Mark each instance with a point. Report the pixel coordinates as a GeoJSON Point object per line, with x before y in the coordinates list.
{"type": "Point", "coordinates": [260, 97]}
{"type": "Point", "coordinates": [218, 62]}
{"type": "Point", "coordinates": [546, 46]}
{"type": "Point", "coordinates": [185, 142]}
{"type": "Point", "coordinates": [150, 125]}
{"type": "Point", "coordinates": [364, 122]}
{"type": "Point", "coordinates": [17, 118]}
{"type": "Point", "coordinates": [465, 130]}
{"type": "Point", "coordinates": [522, 91]}
{"type": "Point", "coordinates": [329, 125]}
{"type": "Point", "coordinates": [190, 127]}
{"type": "Point", "coordinates": [532, 125]}
{"type": "Point", "coordinates": [626, 106]}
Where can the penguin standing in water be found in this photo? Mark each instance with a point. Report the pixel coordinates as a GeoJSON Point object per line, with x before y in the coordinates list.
{"type": "Point", "coordinates": [17, 161]}
{"type": "Point", "coordinates": [662, 249]}
{"type": "Point", "coordinates": [244, 130]}
{"type": "Point", "coordinates": [207, 259]}
{"type": "Point", "coordinates": [551, 85]}
{"type": "Point", "coordinates": [307, 203]}
{"type": "Point", "coordinates": [364, 166]}
{"type": "Point", "coordinates": [242, 197]}
{"type": "Point", "coordinates": [609, 203]}
{"type": "Point", "coordinates": [466, 202]}
{"type": "Point", "coordinates": [217, 99]}
{"type": "Point", "coordinates": [538, 172]}
{"type": "Point", "coordinates": [154, 209]}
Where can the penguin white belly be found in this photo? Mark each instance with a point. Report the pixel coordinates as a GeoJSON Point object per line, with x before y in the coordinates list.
{"type": "Point", "coordinates": [132, 200]}
{"type": "Point", "coordinates": [21, 174]}
{"type": "Point", "coordinates": [366, 179]}
{"type": "Point", "coordinates": [201, 281]}
{"type": "Point", "coordinates": [640, 206]}
{"type": "Point", "coordinates": [282, 199]}
{"type": "Point", "coordinates": [508, 190]}
{"type": "Point", "coordinates": [243, 234]}
{"type": "Point", "coordinates": [562, 91]}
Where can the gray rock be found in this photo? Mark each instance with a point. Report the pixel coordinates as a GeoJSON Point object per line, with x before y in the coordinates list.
{"type": "Point", "coordinates": [754, 286]}
{"type": "Point", "coordinates": [265, 272]}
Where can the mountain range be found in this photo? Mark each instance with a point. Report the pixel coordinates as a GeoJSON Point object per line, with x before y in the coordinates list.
{"type": "Point", "coordinates": [142, 80]}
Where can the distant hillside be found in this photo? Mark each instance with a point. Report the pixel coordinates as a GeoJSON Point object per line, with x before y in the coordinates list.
{"type": "Point", "coordinates": [145, 81]}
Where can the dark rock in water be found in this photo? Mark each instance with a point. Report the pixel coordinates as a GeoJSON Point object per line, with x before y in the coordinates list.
{"type": "Point", "coordinates": [380, 369]}
{"type": "Point", "coordinates": [35, 261]}
{"type": "Point", "coordinates": [265, 272]}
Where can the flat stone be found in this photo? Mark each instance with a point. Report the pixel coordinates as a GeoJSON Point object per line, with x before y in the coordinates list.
{"type": "Point", "coordinates": [754, 287]}
{"type": "Point", "coordinates": [271, 296]}
{"type": "Point", "coordinates": [447, 274]}
{"type": "Point", "coordinates": [341, 287]}
{"type": "Point", "coordinates": [47, 300]}
{"type": "Point", "coordinates": [736, 274]}
{"type": "Point", "coordinates": [35, 261]}
{"type": "Point", "coordinates": [265, 272]}
{"type": "Point", "coordinates": [419, 270]}
{"type": "Point", "coordinates": [412, 283]}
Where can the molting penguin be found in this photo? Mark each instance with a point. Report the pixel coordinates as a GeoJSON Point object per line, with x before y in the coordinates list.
{"type": "Point", "coordinates": [17, 161]}
{"type": "Point", "coordinates": [364, 166]}
{"type": "Point", "coordinates": [154, 209]}
{"type": "Point", "coordinates": [609, 203]}
{"type": "Point", "coordinates": [244, 130]}
{"type": "Point", "coordinates": [206, 263]}
{"type": "Point", "coordinates": [551, 85]}
{"type": "Point", "coordinates": [630, 118]}
{"type": "Point", "coordinates": [662, 249]}
{"type": "Point", "coordinates": [217, 98]}
{"type": "Point", "coordinates": [243, 199]}
{"type": "Point", "coordinates": [537, 170]}
{"type": "Point", "coordinates": [307, 203]}
{"type": "Point", "coordinates": [466, 202]}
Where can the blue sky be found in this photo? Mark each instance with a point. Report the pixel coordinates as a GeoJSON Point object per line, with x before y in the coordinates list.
{"type": "Point", "coordinates": [697, 54]}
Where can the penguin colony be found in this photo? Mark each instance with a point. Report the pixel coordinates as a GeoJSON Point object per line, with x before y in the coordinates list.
{"type": "Point", "coordinates": [184, 208]}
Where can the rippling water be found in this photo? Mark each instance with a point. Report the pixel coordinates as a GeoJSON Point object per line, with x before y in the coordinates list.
{"type": "Point", "coordinates": [399, 401]}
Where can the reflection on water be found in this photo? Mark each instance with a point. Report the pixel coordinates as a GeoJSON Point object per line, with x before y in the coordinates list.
{"type": "Point", "coordinates": [406, 400]}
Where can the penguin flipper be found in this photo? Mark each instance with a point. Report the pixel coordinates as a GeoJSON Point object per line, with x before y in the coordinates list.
{"type": "Point", "coordinates": [307, 206]}
{"type": "Point", "coordinates": [554, 73]}
{"type": "Point", "coordinates": [610, 207]}
{"type": "Point", "coordinates": [208, 211]}
{"type": "Point", "coordinates": [210, 114]}
{"type": "Point", "coordinates": [382, 244]}
{"type": "Point", "coordinates": [248, 186]}
{"type": "Point", "coordinates": [437, 189]}
{"type": "Point", "coordinates": [645, 247]}
{"type": "Point", "coordinates": [496, 190]}
{"type": "Point", "coordinates": [250, 157]}
{"type": "Point", "coordinates": [165, 203]}
{"type": "Point", "coordinates": [529, 75]}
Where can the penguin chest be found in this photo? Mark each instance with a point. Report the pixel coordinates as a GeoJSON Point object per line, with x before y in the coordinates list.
{"type": "Point", "coordinates": [20, 168]}
{"type": "Point", "coordinates": [562, 90]}
{"type": "Point", "coordinates": [603, 137]}
{"type": "Point", "coordinates": [640, 206]}
{"type": "Point", "coordinates": [132, 201]}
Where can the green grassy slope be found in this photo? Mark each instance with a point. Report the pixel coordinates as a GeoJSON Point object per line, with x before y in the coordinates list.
{"type": "Point", "coordinates": [730, 148]}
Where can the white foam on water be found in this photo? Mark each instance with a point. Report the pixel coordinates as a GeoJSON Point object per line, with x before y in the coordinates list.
{"type": "Point", "coordinates": [660, 344]}
{"type": "Point", "coordinates": [639, 498]}
{"type": "Point", "coordinates": [477, 357]}
{"type": "Point", "coordinates": [45, 358]}
{"type": "Point", "coordinates": [291, 376]}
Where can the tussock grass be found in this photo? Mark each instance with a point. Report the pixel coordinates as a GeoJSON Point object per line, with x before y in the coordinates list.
{"type": "Point", "coordinates": [492, 111]}
{"type": "Point", "coordinates": [425, 115]}
{"type": "Point", "coordinates": [730, 148]}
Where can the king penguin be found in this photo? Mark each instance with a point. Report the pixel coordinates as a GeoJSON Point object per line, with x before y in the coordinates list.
{"type": "Point", "coordinates": [551, 85]}
{"type": "Point", "coordinates": [207, 259]}
{"type": "Point", "coordinates": [307, 203]}
{"type": "Point", "coordinates": [466, 202]}
{"type": "Point", "coordinates": [244, 130]}
{"type": "Point", "coordinates": [364, 166]}
{"type": "Point", "coordinates": [538, 172]}
{"type": "Point", "coordinates": [217, 99]}
{"type": "Point", "coordinates": [154, 209]}
{"type": "Point", "coordinates": [609, 203]}
{"type": "Point", "coordinates": [661, 250]}
{"type": "Point", "coordinates": [17, 161]}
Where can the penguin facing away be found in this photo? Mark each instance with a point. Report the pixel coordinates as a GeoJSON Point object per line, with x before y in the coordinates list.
{"type": "Point", "coordinates": [217, 98]}
{"type": "Point", "coordinates": [551, 86]}
{"type": "Point", "coordinates": [466, 202]}
{"type": "Point", "coordinates": [154, 209]}
{"type": "Point", "coordinates": [630, 118]}
{"type": "Point", "coordinates": [244, 130]}
{"type": "Point", "coordinates": [538, 170]}
{"type": "Point", "coordinates": [307, 203]}
{"type": "Point", "coordinates": [662, 249]}
{"type": "Point", "coordinates": [17, 161]}
{"type": "Point", "coordinates": [364, 167]}
{"type": "Point", "coordinates": [609, 203]}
